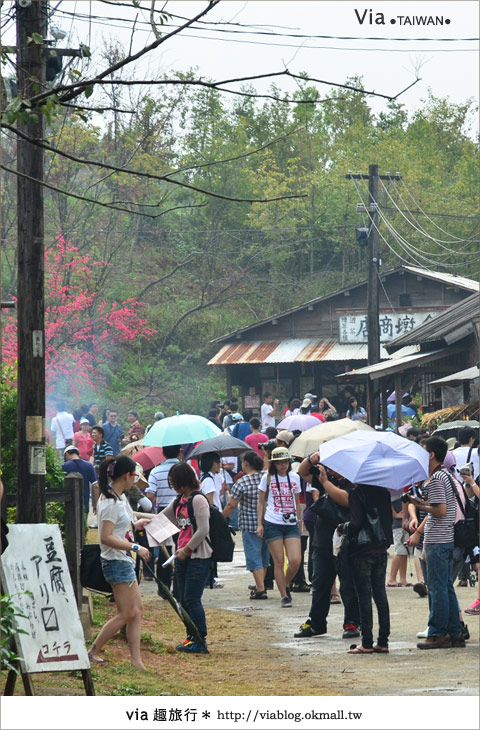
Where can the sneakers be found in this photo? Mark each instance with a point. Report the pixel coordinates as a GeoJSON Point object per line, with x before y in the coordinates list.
{"type": "Point", "coordinates": [286, 602]}
{"type": "Point", "coordinates": [438, 642]}
{"type": "Point", "coordinates": [421, 589]}
{"type": "Point", "coordinates": [287, 591]}
{"type": "Point", "coordinates": [350, 631]}
{"type": "Point", "coordinates": [422, 634]}
{"type": "Point", "coordinates": [307, 631]}
{"type": "Point", "coordinates": [192, 647]}
{"type": "Point", "coordinates": [474, 609]}
{"type": "Point", "coordinates": [217, 585]}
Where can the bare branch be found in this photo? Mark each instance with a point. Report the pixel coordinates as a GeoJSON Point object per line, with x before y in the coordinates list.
{"type": "Point", "coordinates": [148, 175]}
{"type": "Point", "coordinates": [166, 276]}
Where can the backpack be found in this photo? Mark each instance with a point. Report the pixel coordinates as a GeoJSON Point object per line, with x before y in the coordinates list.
{"type": "Point", "coordinates": [220, 535]}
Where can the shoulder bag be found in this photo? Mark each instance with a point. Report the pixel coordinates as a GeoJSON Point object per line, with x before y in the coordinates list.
{"type": "Point", "coordinates": [371, 533]}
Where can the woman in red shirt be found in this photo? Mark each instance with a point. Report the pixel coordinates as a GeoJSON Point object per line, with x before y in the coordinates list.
{"type": "Point", "coordinates": [83, 441]}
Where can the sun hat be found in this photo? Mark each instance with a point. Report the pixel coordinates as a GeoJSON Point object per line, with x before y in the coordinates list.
{"type": "Point", "coordinates": [285, 436]}
{"type": "Point", "coordinates": [139, 474]}
{"type": "Point", "coordinates": [306, 402]}
{"type": "Point", "coordinates": [280, 453]}
{"type": "Point", "coordinates": [71, 449]}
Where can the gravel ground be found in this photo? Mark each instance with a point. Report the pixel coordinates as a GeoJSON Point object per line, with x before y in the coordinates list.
{"type": "Point", "coordinates": [323, 660]}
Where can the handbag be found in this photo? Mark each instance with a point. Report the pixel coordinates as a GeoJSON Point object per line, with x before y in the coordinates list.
{"type": "Point", "coordinates": [466, 531]}
{"type": "Point", "coordinates": [329, 511]}
{"type": "Point", "coordinates": [371, 533]}
{"type": "Point", "coordinates": [91, 573]}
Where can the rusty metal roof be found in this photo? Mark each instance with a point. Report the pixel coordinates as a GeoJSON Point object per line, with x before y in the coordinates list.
{"type": "Point", "coordinates": [292, 350]}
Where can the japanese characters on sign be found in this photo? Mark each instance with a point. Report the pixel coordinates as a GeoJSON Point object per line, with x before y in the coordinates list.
{"type": "Point", "coordinates": [35, 574]}
{"type": "Point", "coordinates": [353, 328]}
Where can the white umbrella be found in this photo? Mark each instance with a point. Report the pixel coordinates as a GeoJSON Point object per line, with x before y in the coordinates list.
{"type": "Point", "coordinates": [308, 441]}
{"type": "Point", "coordinates": [376, 457]}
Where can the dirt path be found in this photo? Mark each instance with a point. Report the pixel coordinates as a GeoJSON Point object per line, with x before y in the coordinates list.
{"type": "Point", "coordinates": [258, 641]}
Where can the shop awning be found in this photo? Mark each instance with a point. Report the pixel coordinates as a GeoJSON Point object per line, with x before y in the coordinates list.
{"type": "Point", "coordinates": [294, 350]}
{"type": "Point", "coordinates": [395, 365]}
{"type": "Point", "coordinates": [460, 376]}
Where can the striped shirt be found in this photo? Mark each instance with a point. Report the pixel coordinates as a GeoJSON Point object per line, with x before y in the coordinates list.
{"type": "Point", "coordinates": [439, 490]}
{"type": "Point", "coordinates": [100, 451]}
{"type": "Point", "coordinates": [246, 491]}
{"type": "Point", "coordinates": [158, 484]}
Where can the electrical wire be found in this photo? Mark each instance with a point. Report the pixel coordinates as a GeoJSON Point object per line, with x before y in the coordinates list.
{"type": "Point", "coordinates": [419, 227]}
{"type": "Point", "coordinates": [423, 212]}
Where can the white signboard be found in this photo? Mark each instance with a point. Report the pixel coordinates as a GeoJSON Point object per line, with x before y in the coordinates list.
{"type": "Point", "coordinates": [35, 575]}
{"type": "Point", "coordinates": [353, 328]}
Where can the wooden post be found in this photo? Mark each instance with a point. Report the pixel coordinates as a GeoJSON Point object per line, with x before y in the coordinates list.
{"type": "Point", "coordinates": [384, 404]}
{"type": "Point", "coordinates": [372, 285]}
{"type": "Point", "coordinates": [74, 535]}
{"type": "Point", "coordinates": [398, 400]}
{"type": "Point", "coordinates": [31, 22]}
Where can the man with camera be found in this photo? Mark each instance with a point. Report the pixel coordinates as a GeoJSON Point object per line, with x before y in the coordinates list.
{"type": "Point", "coordinates": [268, 411]}
{"type": "Point", "coordinates": [466, 453]}
{"type": "Point", "coordinates": [437, 500]}
{"type": "Point", "coordinates": [325, 565]}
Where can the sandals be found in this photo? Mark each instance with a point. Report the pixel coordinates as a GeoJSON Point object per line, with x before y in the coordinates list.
{"type": "Point", "coordinates": [258, 595]}
{"type": "Point", "coordinates": [94, 660]}
{"type": "Point", "coordinates": [335, 599]}
{"type": "Point", "coordinates": [380, 649]}
{"type": "Point", "coordinates": [354, 649]}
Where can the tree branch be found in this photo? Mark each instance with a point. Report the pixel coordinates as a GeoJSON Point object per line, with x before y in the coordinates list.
{"type": "Point", "coordinates": [186, 261]}
{"type": "Point", "coordinates": [148, 175]}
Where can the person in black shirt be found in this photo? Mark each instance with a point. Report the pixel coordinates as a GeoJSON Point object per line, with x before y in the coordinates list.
{"type": "Point", "coordinates": [325, 565]}
{"type": "Point", "coordinates": [370, 513]}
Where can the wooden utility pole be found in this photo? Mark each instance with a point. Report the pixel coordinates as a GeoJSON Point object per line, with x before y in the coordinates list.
{"type": "Point", "coordinates": [31, 64]}
{"type": "Point", "coordinates": [374, 261]}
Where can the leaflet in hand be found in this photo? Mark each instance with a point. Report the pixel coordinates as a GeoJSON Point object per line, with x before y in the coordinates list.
{"type": "Point", "coordinates": [159, 529]}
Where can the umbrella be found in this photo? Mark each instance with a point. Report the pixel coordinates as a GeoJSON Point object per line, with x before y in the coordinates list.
{"type": "Point", "coordinates": [300, 422]}
{"type": "Point", "coordinates": [382, 458]}
{"type": "Point", "coordinates": [223, 444]}
{"type": "Point", "coordinates": [132, 448]}
{"type": "Point", "coordinates": [184, 429]}
{"type": "Point", "coordinates": [149, 457]}
{"type": "Point", "coordinates": [452, 425]}
{"type": "Point", "coordinates": [308, 441]}
{"type": "Point", "coordinates": [391, 397]}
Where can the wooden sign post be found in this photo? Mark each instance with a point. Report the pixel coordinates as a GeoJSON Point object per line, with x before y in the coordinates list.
{"type": "Point", "coordinates": [35, 574]}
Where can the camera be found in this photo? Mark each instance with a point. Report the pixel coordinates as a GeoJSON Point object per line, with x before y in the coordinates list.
{"type": "Point", "coordinates": [467, 469]}
{"type": "Point", "coordinates": [414, 491]}
{"type": "Point", "coordinates": [290, 518]}
{"type": "Point", "coordinates": [268, 445]}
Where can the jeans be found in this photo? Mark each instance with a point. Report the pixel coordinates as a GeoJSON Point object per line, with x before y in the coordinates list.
{"type": "Point", "coordinates": [325, 568]}
{"type": "Point", "coordinates": [369, 577]}
{"type": "Point", "coordinates": [190, 577]}
{"type": "Point", "coordinates": [442, 599]}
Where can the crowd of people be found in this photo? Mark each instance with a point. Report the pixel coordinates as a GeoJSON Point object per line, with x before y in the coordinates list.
{"type": "Point", "coordinates": [288, 512]}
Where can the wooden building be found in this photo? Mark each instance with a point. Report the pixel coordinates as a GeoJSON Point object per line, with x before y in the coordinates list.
{"type": "Point", "coordinates": [304, 348]}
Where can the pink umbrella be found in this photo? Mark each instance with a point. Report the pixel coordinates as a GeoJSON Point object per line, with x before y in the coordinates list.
{"type": "Point", "coordinates": [149, 457]}
{"type": "Point", "coordinates": [300, 422]}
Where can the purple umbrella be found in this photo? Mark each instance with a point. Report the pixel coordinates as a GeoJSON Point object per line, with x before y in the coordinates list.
{"type": "Point", "coordinates": [391, 397]}
{"type": "Point", "coordinates": [300, 422]}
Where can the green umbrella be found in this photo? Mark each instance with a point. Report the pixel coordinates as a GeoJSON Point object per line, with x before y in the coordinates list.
{"type": "Point", "coordinates": [184, 429]}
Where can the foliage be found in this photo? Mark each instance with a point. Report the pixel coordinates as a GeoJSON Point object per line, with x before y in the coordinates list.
{"type": "Point", "coordinates": [8, 628]}
{"type": "Point", "coordinates": [8, 405]}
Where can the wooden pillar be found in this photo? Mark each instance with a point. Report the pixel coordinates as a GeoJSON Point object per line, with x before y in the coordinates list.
{"type": "Point", "coordinates": [384, 404]}
{"type": "Point", "coordinates": [74, 530]}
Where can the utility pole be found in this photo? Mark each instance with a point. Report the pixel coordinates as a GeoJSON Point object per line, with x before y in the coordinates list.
{"type": "Point", "coordinates": [31, 449]}
{"type": "Point", "coordinates": [374, 262]}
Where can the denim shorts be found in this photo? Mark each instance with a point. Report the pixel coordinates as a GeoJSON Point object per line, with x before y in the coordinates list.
{"type": "Point", "coordinates": [119, 571]}
{"type": "Point", "coordinates": [271, 531]}
{"type": "Point", "coordinates": [256, 551]}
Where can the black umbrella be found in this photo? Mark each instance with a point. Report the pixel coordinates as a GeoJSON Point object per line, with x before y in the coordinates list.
{"type": "Point", "coordinates": [223, 444]}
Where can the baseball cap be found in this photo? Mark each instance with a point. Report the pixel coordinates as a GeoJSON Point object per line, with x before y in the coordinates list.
{"type": "Point", "coordinates": [285, 436]}
{"type": "Point", "coordinates": [84, 420]}
{"type": "Point", "coordinates": [236, 416]}
{"type": "Point", "coordinates": [311, 396]}
{"type": "Point", "coordinates": [306, 402]}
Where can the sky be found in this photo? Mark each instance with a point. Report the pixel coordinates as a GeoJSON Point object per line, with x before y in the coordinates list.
{"type": "Point", "coordinates": [450, 68]}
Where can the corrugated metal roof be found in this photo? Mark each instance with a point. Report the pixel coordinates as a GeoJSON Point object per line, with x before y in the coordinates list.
{"type": "Point", "coordinates": [295, 350]}
{"type": "Point", "coordinates": [453, 279]}
{"type": "Point", "coordinates": [461, 375]}
{"type": "Point", "coordinates": [383, 368]}
{"type": "Point", "coordinates": [443, 325]}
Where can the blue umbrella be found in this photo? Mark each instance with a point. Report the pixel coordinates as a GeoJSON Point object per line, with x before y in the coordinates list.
{"type": "Point", "coordinates": [376, 457]}
{"type": "Point", "coordinates": [184, 429]}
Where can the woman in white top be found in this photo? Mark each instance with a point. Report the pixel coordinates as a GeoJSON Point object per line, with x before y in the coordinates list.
{"type": "Point", "coordinates": [278, 498]}
{"type": "Point", "coordinates": [211, 479]}
{"type": "Point", "coordinates": [116, 522]}
{"type": "Point", "coordinates": [355, 411]}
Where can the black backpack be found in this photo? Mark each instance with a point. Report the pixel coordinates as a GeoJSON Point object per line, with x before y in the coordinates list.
{"type": "Point", "coordinates": [220, 535]}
